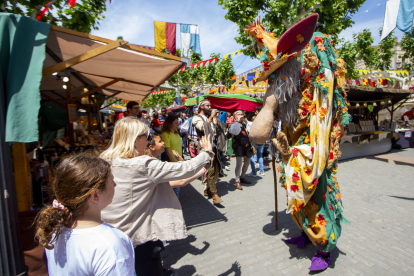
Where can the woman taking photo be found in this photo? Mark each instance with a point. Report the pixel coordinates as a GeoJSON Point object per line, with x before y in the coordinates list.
{"type": "Point", "coordinates": [145, 206]}
{"type": "Point", "coordinates": [172, 141]}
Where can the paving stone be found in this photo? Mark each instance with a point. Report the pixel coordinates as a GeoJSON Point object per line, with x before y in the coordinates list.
{"type": "Point", "coordinates": [240, 237]}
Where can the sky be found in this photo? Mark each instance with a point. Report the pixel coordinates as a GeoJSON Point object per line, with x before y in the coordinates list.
{"type": "Point", "coordinates": [134, 21]}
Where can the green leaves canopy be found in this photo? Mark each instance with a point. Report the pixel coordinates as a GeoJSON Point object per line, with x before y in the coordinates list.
{"type": "Point", "coordinates": [84, 17]}
{"type": "Point", "coordinates": [278, 16]}
{"type": "Point", "coordinates": [197, 79]}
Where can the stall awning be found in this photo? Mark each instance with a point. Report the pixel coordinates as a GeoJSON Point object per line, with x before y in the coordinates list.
{"type": "Point", "coordinates": [134, 74]}
{"type": "Point", "coordinates": [371, 94]}
{"type": "Point", "coordinates": [228, 102]}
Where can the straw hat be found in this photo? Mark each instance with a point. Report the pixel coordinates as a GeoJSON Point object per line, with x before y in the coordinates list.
{"type": "Point", "coordinates": [275, 52]}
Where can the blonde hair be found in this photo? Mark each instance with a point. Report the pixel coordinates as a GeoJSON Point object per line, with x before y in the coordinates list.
{"type": "Point", "coordinates": [123, 140]}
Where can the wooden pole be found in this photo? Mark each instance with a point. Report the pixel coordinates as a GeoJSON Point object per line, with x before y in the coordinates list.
{"type": "Point", "coordinates": [275, 183]}
{"type": "Point", "coordinates": [69, 101]}
{"type": "Point", "coordinates": [22, 177]}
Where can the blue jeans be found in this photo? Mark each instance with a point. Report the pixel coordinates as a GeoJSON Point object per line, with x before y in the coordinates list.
{"type": "Point", "coordinates": [258, 156]}
{"type": "Point", "coordinates": [177, 191]}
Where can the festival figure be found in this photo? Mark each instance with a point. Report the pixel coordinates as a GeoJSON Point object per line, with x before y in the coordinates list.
{"type": "Point", "coordinates": [306, 81]}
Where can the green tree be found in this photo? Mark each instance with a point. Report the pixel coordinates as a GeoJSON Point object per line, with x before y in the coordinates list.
{"type": "Point", "coordinates": [159, 99]}
{"type": "Point", "coordinates": [407, 44]}
{"type": "Point", "coordinates": [386, 51]}
{"type": "Point", "coordinates": [84, 16]}
{"type": "Point", "coordinates": [348, 52]}
{"type": "Point", "coordinates": [278, 16]}
{"type": "Point", "coordinates": [200, 79]}
{"type": "Point", "coordinates": [366, 52]}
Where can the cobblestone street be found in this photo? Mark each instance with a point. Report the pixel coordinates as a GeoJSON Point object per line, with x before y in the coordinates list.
{"type": "Point", "coordinates": [240, 237]}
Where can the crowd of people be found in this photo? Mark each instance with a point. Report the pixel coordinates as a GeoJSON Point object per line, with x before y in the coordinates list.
{"type": "Point", "coordinates": [114, 214]}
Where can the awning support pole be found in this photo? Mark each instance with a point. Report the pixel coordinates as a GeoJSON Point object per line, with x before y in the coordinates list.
{"type": "Point", "coordinates": [83, 57]}
{"type": "Point", "coordinates": [107, 98]}
{"type": "Point", "coordinates": [111, 104]}
{"type": "Point", "coordinates": [53, 100]}
{"type": "Point", "coordinates": [90, 92]}
{"type": "Point", "coordinates": [69, 101]}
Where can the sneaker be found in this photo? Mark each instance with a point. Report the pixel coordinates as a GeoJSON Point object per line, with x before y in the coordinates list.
{"type": "Point", "coordinates": [252, 174]}
{"type": "Point", "coordinates": [227, 168]}
{"type": "Point", "coordinates": [262, 173]}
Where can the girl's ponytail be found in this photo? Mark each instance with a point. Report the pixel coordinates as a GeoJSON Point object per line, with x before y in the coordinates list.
{"type": "Point", "coordinates": [49, 223]}
{"type": "Point", "coordinates": [76, 177]}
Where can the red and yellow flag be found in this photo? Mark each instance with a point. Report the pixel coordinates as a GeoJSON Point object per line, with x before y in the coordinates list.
{"type": "Point", "coordinates": [165, 37]}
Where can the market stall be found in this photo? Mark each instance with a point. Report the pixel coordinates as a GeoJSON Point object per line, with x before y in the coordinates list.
{"type": "Point", "coordinates": [228, 102]}
{"type": "Point", "coordinates": [48, 74]}
{"type": "Point", "coordinates": [367, 135]}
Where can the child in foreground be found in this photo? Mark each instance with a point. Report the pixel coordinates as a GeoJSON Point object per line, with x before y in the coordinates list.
{"type": "Point", "coordinates": [77, 242]}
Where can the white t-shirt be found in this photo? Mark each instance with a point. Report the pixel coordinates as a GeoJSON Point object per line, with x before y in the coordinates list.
{"type": "Point", "coordinates": [99, 250]}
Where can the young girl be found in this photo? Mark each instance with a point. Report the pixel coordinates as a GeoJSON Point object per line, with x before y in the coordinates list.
{"type": "Point", "coordinates": [145, 207]}
{"type": "Point", "coordinates": [76, 239]}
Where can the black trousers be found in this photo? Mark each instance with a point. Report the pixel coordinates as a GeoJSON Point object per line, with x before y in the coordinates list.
{"type": "Point", "coordinates": [148, 259]}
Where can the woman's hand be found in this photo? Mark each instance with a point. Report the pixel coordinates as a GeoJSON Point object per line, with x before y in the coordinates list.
{"type": "Point", "coordinates": [205, 143]}
{"type": "Point", "coordinates": [177, 156]}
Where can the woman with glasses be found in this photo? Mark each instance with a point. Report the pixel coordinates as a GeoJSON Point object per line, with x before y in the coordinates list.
{"type": "Point", "coordinates": [144, 206]}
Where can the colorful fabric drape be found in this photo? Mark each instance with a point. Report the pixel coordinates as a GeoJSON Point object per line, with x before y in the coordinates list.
{"type": "Point", "coordinates": [165, 37]}
{"type": "Point", "coordinates": [190, 39]}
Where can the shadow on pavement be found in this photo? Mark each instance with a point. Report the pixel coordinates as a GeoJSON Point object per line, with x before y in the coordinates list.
{"type": "Point", "coordinates": [197, 210]}
{"type": "Point", "coordinates": [235, 267]}
{"type": "Point", "coordinates": [285, 222]}
{"type": "Point", "coordinates": [406, 198]}
{"type": "Point", "coordinates": [175, 250]}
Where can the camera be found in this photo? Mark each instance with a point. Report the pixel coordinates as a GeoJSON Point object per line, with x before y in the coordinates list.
{"type": "Point", "coordinates": [221, 112]}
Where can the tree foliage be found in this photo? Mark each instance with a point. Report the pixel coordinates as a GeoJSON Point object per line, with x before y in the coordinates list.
{"type": "Point", "coordinates": [159, 99]}
{"type": "Point", "coordinates": [366, 52]}
{"type": "Point", "coordinates": [278, 16]}
{"type": "Point", "coordinates": [348, 52]}
{"type": "Point", "coordinates": [84, 16]}
{"type": "Point", "coordinates": [199, 79]}
{"type": "Point", "coordinates": [386, 51]}
{"type": "Point", "coordinates": [407, 44]}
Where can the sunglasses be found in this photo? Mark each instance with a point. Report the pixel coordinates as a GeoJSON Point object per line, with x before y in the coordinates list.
{"type": "Point", "coordinates": [147, 135]}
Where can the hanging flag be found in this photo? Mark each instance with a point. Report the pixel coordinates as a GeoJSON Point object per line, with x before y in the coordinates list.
{"type": "Point", "coordinates": [201, 64]}
{"type": "Point", "coordinates": [237, 53]}
{"type": "Point", "coordinates": [405, 16]}
{"type": "Point", "coordinates": [42, 13]}
{"type": "Point", "coordinates": [247, 83]}
{"type": "Point", "coordinates": [165, 37]}
{"type": "Point", "coordinates": [190, 39]}
{"type": "Point", "coordinates": [390, 19]}
{"type": "Point", "coordinates": [398, 14]}
{"type": "Point", "coordinates": [250, 76]}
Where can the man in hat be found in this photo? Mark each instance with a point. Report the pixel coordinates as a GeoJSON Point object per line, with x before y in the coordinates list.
{"type": "Point", "coordinates": [203, 125]}
{"type": "Point", "coordinates": [312, 104]}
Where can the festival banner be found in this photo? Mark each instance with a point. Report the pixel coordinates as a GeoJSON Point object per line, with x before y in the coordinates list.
{"type": "Point", "coordinates": [165, 36]}
{"type": "Point", "coordinates": [201, 64]}
{"type": "Point", "coordinates": [237, 53]}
